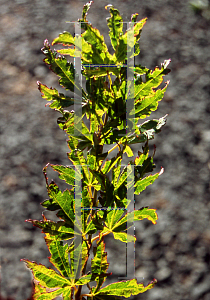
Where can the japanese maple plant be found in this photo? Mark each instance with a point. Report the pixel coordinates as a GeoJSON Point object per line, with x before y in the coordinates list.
{"type": "Point", "coordinates": [108, 111]}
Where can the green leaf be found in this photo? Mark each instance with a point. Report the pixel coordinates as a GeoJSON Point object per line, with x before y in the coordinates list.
{"type": "Point", "coordinates": [146, 131]}
{"type": "Point", "coordinates": [103, 297]}
{"type": "Point", "coordinates": [81, 49]}
{"type": "Point", "coordinates": [91, 161]}
{"type": "Point", "coordinates": [99, 53]}
{"type": "Point", "coordinates": [59, 100]}
{"type": "Point", "coordinates": [146, 98]}
{"type": "Point", "coordinates": [144, 107]}
{"type": "Point", "coordinates": [66, 201]}
{"type": "Point", "coordinates": [86, 7]}
{"type": "Point", "coordinates": [115, 24]}
{"type": "Point", "coordinates": [146, 167]}
{"type": "Point", "coordinates": [47, 94]}
{"type": "Point", "coordinates": [84, 280]}
{"type": "Point", "coordinates": [50, 205]}
{"type": "Point", "coordinates": [63, 69]}
{"type": "Point", "coordinates": [99, 218]}
{"type": "Point", "coordinates": [152, 126]}
{"type": "Point", "coordinates": [78, 257]}
{"type": "Point", "coordinates": [69, 122]}
{"type": "Point", "coordinates": [122, 179]}
{"type": "Point", "coordinates": [139, 160]}
{"type": "Point", "coordinates": [66, 173]}
{"type": "Point", "coordinates": [78, 159]}
{"type": "Point", "coordinates": [46, 277]}
{"type": "Point", "coordinates": [116, 173]}
{"type": "Point", "coordinates": [109, 164]}
{"type": "Point", "coordinates": [115, 224]}
{"type": "Point", "coordinates": [52, 190]}
{"type": "Point", "coordinates": [83, 134]}
{"type": "Point", "coordinates": [140, 70]}
{"type": "Point", "coordinates": [99, 264]}
{"type": "Point", "coordinates": [124, 237]}
{"type": "Point", "coordinates": [120, 54]}
{"type": "Point", "coordinates": [92, 71]}
{"type": "Point", "coordinates": [91, 228]}
{"type": "Point", "coordinates": [50, 294]}
{"type": "Point", "coordinates": [60, 229]}
{"type": "Point", "coordinates": [128, 151]}
{"type": "Point", "coordinates": [59, 256]}
{"type": "Point", "coordinates": [64, 38]}
{"type": "Point", "coordinates": [126, 288]}
{"type": "Point", "coordinates": [112, 136]}
{"type": "Point", "coordinates": [141, 184]}
{"type": "Point", "coordinates": [113, 217]}
{"type": "Point", "coordinates": [106, 197]}
{"type": "Point", "coordinates": [146, 213]}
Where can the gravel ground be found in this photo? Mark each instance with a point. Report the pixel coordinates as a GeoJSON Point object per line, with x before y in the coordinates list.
{"type": "Point", "coordinates": [176, 250]}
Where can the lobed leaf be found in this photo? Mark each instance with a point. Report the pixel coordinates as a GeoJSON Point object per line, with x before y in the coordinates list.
{"type": "Point", "coordinates": [64, 69]}
{"type": "Point", "coordinates": [99, 52]}
{"type": "Point", "coordinates": [59, 256]}
{"type": "Point", "coordinates": [113, 217]}
{"type": "Point", "coordinates": [115, 24]}
{"type": "Point", "coordinates": [146, 213]}
{"type": "Point", "coordinates": [144, 107]}
{"type": "Point", "coordinates": [41, 293]}
{"type": "Point", "coordinates": [46, 277]}
{"type": "Point", "coordinates": [120, 54]}
{"type": "Point", "coordinates": [115, 224]}
{"type": "Point", "coordinates": [60, 229]}
{"type": "Point", "coordinates": [66, 200]}
{"type": "Point", "coordinates": [65, 173]}
{"type": "Point", "coordinates": [126, 288]}
{"type": "Point", "coordinates": [124, 237]}
{"type": "Point", "coordinates": [141, 184]}
{"type": "Point", "coordinates": [81, 49]}
{"type": "Point", "coordinates": [153, 80]}
{"type": "Point", "coordinates": [78, 252]}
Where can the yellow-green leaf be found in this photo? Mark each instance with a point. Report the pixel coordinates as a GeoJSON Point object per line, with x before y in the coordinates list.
{"type": "Point", "coordinates": [46, 277]}
{"type": "Point", "coordinates": [64, 38]}
{"type": "Point", "coordinates": [128, 151]}
{"type": "Point", "coordinates": [124, 237]}
{"type": "Point", "coordinates": [141, 184]}
{"type": "Point", "coordinates": [146, 213]}
{"type": "Point", "coordinates": [126, 288]}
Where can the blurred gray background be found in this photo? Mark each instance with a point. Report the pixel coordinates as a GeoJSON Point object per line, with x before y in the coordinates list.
{"type": "Point", "coordinates": [175, 251]}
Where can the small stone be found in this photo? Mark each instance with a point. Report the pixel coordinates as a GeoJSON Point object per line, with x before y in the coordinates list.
{"type": "Point", "coordinates": [163, 274]}
{"type": "Point", "coordinates": [207, 297]}
{"type": "Point", "coordinates": [200, 289]}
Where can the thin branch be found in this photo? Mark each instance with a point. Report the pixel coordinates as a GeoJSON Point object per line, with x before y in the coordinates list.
{"type": "Point", "coordinates": [98, 236]}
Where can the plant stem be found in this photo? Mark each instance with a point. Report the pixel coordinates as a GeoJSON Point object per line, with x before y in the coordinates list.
{"type": "Point", "coordinates": [78, 293]}
{"type": "Point", "coordinates": [97, 237]}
